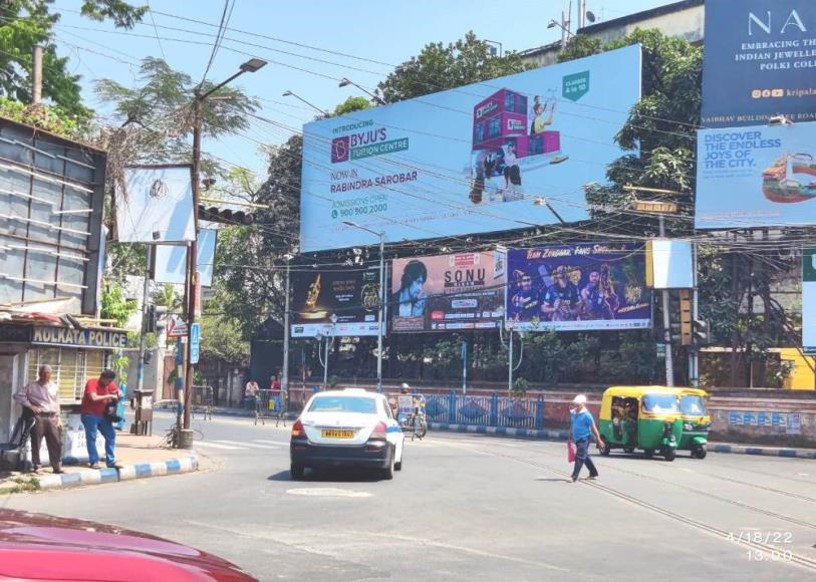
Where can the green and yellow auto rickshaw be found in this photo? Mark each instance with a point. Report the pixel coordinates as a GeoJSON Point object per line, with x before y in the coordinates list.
{"type": "Point", "coordinates": [696, 421]}
{"type": "Point", "coordinates": [641, 417]}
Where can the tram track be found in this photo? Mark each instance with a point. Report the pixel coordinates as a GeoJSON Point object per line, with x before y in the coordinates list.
{"type": "Point", "coordinates": [789, 557]}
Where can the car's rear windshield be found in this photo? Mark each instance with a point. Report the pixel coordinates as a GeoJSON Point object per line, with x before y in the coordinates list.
{"type": "Point", "coordinates": [360, 404]}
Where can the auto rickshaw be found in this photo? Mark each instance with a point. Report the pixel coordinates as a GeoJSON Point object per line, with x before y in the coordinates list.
{"type": "Point", "coordinates": [696, 421]}
{"type": "Point", "coordinates": [641, 417]}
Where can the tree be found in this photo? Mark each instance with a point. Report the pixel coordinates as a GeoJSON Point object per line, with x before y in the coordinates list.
{"type": "Point", "coordinates": [439, 67]}
{"type": "Point", "coordinates": [25, 23]}
{"type": "Point", "coordinates": [352, 104]}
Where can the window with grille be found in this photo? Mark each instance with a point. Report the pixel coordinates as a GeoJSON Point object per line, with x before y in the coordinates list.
{"type": "Point", "coordinates": [70, 368]}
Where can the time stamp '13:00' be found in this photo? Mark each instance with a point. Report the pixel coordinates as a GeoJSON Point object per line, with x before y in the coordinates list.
{"type": "Point", "coordinates": [755, 536]}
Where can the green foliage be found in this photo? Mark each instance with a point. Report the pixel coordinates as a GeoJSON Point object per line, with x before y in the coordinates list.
{"type": "Point", "coordinates": [520, 386]}
{"type": "Point", "coordinates": [439, 67]}
{"type": "Point", "coordinates": [29, 22]}
{"type": "Point", "coordinates": [115, 306]}
{"type": "Point", "coordinates": [580, 46]}
{"type": "Point", "coordinates": [50, 118]}
{"type": "Point", "coordinates": [353, 104]}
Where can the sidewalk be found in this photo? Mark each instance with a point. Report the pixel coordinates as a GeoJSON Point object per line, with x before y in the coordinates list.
{"type": "Point", "coordinates": [563, 435]}
{"type": "Point", "coordinates": [141, 456]}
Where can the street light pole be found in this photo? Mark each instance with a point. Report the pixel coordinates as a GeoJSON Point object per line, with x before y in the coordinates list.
{"type": "Point", "coordinates": [381, 311]}
{"type": "Point", "coordinates": [345, 82]}
{"type": "Point", "coordinates": [298, 97]}
{"type": "Point", "coordinates": [249, 66]}
{"type": "Point", "coordinates": [285, 372]}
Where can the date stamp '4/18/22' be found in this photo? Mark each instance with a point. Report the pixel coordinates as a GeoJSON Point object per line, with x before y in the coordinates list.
{"type": "Point", "coordinates": [778, 538]}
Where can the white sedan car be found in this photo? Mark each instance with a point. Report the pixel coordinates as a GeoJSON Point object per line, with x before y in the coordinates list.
{"type": "Point", "coordinates": [350, 427]}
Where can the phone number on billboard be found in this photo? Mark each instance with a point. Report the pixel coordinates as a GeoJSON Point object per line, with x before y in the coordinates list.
{"type": "Point", "coordinates": [372, 209]}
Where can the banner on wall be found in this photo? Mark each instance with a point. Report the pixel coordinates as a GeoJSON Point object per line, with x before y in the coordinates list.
{"type": "Point", "coordinates": [759, 61]}
{"type": "Point", "coordinates": [171, 261]}
{"type": "Point", "coordinates": [809, 301]}
{"type": "Point", "coordinates": [584, 286]}
{"type": "Point", "coordinates": [468, 160]}
{"type": "Point", "coordinates": [350, 295]}
{"type": "Point", "coordinates": [463, 291]}
{"type": "Point", "coordinates": [758, 176]}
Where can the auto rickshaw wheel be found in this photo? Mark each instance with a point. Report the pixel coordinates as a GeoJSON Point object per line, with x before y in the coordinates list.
{"type": "Point", "coordinates": [605, 448]}
{"type": "Point", "coordinates": [699, 452]}
{"type": "Point", "coordinates": [629, 450]}
{"type": "Point", "coordinates": [648, 453]}
{"type": "Point", "coordinates": [669, 453]}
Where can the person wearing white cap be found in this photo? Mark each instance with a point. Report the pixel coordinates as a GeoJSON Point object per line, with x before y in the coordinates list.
{"type": "Point", "coordinates": [582, 427]}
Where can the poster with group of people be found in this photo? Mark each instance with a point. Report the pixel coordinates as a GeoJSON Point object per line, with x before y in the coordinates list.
{"type": "Point", "coordinates": [587, 286]}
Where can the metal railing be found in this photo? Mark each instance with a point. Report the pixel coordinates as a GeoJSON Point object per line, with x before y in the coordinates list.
{"type": "Point", "coordinates": [491, 410]}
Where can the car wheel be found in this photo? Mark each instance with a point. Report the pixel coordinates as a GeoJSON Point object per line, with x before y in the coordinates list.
{"type": "Point", "coordinates": [297, 471]}
{"type": "Point", "coordinates": [388, 472]}
{"type": "Point", "coordinates": [398, 464]}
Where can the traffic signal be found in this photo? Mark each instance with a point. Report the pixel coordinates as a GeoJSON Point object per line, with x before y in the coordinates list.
{"type": "Point", "coordinates": [685, 318]}
{"type": "Point", "coordinates": [224, 215]}
{"type": "Point", "coordinates": [702, 331]}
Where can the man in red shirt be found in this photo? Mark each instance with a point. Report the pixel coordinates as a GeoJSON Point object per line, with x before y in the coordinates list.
{"type": "Point", "coordinates": [99, 393]}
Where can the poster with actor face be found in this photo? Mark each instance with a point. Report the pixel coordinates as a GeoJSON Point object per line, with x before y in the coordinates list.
{"type": "Point", "coordinates": [582, 286]}
{"type": "Point", "coordinates": [342, 302]}
{"type": "Point", "coordinates": [456, 292]}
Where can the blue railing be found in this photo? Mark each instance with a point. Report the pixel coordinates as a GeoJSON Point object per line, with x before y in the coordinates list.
{"type": "Point", "coordinates": [491, 410]}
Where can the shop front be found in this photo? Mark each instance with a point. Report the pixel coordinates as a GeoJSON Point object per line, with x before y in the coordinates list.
{"type": "Point", "coordinates": [75, 355]}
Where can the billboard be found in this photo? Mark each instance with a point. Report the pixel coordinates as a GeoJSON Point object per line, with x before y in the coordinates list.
{"type": "Point", "coordinates": [155, 205]}
{"type": "Point", "coordinates": [461, 291]}
{"type": "Point", "coordinates": [171, 260]}
{"type": "Point", "coordinates": [467, 160]}
{"type": "Point", "coordinates": [759, 61]}
{"type": "Point", "coordinates": [809, 301]}
{"type": "Point", "coordinates": [756, 176]}
{"type": "Point", "coordinates": [583, 286]}
{"type": "Point", "coordinates": [352, 295]}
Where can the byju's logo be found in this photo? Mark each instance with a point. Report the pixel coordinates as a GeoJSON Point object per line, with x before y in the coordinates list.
{"type": "Point", "coordinates": [340, 149]}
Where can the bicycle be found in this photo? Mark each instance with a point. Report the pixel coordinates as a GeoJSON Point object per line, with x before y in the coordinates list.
{"type": "Point", "coordinates": [172, 438]}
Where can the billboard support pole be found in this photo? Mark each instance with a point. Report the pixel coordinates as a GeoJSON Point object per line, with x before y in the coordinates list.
{"type": "Point", "coordinates": [694, 356]}
{"type": "Point", "coordinates": [510, 364]}
{"type": "Point", "coordinates": [381, 322]}
{"type": "Point", "coordinates": [140, 371]}
{"type": "Point", "coordinates": [285, 372]}
{"type": "Point", "coordinates": [667, 320]}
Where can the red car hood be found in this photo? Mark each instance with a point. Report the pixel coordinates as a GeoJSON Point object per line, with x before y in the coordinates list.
{"type": "Point", "coordinates": [41, 547]}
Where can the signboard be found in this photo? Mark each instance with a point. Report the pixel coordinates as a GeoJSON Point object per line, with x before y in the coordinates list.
{"type": "Point", "coordinates": [64, 336]}
{"type": "Point", "coordinates": [468, 160]}
{"type": "Point", "coordinates": [809, 301]}
{"type": "Point", "coordinates": [448, 292]}
{"type": "Point", "coordinates": [759, 61]}
{"type": "Point", "coordinates": [584, 286]}
{"type": "Point", "coordinates": [655, 207]}
{"type": "Point", "coordinates": [756, 176]}
{"type": "Point", "coordinates": [177, 327]}
{"type": "Point", "coordinates": [352, 295]}
{"type": "Point", "coordinates": [195, 343]}
{"type": "Point", "coordinates": [171, 261]}
{"type": "Point", "coordinates": [669, 264]}
{"type": "Point", "coordinates": [155, 205]}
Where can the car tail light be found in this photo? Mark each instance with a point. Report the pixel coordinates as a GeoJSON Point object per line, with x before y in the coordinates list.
{"type": "Point", "coordinates": [297, 429]}
{"type": "Point", "coordinates": [379, 432]}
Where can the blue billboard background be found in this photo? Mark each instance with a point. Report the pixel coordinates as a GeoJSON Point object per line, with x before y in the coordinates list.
{"type": "Point", "coordinates": [583, 286]}
{"type": "Point", "coordinates": [759, 61]}
{"type": "Point", "coordinates": [756, 176]}
{"type": "Point", "coordinates": [467, 160]}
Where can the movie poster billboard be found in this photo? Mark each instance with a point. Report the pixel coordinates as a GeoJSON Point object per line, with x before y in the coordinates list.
{"type": "Point", "coordinates": [456, 292]}
{"type": "Point", "coordinates": [758, 176]}
{"type": "Point", "coordinates": [759, 61]}
{"type": "Point", "coordinates": [352, 295]}
{"type": "Point", "coordinates": [467, 160]}
{"type": "Point", "coordinates": [583, 286]}
{"type": "Point", "coordinates": [154, 204]}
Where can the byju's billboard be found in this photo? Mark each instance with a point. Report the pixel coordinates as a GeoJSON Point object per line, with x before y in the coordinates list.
{"type": "Point", "coordinates": [464, 291]}
{"type": "Point", "coordinates": [467, 160]}
{"type": "Point", "coordinates": [351, 295]}
{"type": "Point", "coordinates": [756, 176]}
{"type": "Point", "coordinates": [584, 286]}
{"type": "Point", "coordinates": [759, 61]}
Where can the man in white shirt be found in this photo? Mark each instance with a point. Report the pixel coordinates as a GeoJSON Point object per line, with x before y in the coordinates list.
{"type": "Point", "coordinates": [41, 397]}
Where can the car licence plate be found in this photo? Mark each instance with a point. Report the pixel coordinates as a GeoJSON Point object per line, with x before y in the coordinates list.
{"type": "Point", "coordinates": [337, 434]}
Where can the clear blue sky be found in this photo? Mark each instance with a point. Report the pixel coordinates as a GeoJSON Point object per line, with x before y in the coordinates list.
{"type": "Point", "coordinates": [361, 40]}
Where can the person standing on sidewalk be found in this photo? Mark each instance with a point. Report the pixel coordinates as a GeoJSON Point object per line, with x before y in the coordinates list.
{"type": "Point", "coordinates": [41, 397]}
{"type": "Point", "coordinates": [582, 427]}
{"type": "Point", "coordinates": [99, 393]}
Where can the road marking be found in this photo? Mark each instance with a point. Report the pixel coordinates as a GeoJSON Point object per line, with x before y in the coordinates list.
{"type": "Point", "coordinates": [244, 444]}
{"type": "Point", "coordinates": [276, 443]}
{"type": "Point", "coordinates": [327, 492]}
{"type": "Point", "coordinates": [214, 445]}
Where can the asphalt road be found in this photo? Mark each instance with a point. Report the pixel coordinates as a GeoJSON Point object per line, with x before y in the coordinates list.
{"type": "Point", "coordinates": [471, 507]}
